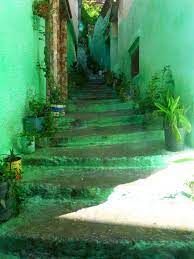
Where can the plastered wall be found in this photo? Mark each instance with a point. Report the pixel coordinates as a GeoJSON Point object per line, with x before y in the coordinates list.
{"type": "Point", "coordinates": [21, 49]}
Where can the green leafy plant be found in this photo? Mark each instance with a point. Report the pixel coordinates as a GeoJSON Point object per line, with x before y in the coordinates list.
{"type": "Point", "coordinates": [90, 13]}
{"type": "Point", "coordinates": [56, 96]}
{"type": "Point", "coordinates": [156, 90]}
{"type": "Point", "coordinates": [12, 156]}
{"type": "Point", "coordinates": [174, 115]}
{"type": "Point", "coordinates": [2, 201]}
{"type": "Point", "coordinates": [6, 179]}
{"type": "Point", "coordinates": [38, 107]}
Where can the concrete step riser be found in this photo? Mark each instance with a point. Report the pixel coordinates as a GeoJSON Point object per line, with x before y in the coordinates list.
{"type": "Point", "coordinates": [101, 122]}
{"type": "Point", "coordinates": [101, 108]}
{"type": "Point", "coordinates": [140, 162]}
{"type": "Point", "coordinates": [96, 98]}
{"type": "Point", "coordinates": [36, 247]}
{"type": "Point", "coordinates": [131, 138]}
{"type": "Point", "coordinates": [54, 191]}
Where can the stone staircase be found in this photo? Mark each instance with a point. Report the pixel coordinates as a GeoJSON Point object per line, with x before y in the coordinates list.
{"type": "Point", "coordinates": [99, 144]}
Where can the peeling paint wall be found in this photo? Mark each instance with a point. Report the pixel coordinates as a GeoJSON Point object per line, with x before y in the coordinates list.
{"type": "Point", "coordinates": [20, 51]}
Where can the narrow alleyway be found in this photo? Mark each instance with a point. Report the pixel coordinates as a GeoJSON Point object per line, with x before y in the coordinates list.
{"type": "Point", "coordinates": [98, 145]}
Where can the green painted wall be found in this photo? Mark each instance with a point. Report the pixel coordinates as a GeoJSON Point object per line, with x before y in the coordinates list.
{"type": "Point", "coordinates": [71, 44]}
{"type": "Point", "coordinates": [20, 50]}
{"type": "Point", "coordinates": [165, 31]}
{"type": "Point", "coordinates": [99, 43]}
{"type": "Point", "coordinates": [166, 38]}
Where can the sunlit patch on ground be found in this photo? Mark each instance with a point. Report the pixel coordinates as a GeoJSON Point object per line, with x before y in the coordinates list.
{"type": "Point", "coordinates": [163, 200]}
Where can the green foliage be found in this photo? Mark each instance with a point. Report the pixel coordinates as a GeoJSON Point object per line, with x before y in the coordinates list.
{"type": "Point", "coordinates": [12, 156]}
{"type": "Point", "coordinates": [1, 172]}
{"type": "Point", "coordinates": [174, 115]}
{"type": "Point", "coordinates": [156, 91]}
{"type": "Point", "coordinates": [120, 84]}
{"type": "Point", "coordinates": [90, 14]}
{"type": "Point", "coordinates": [38, 107]}
{"type": "Point", "coordinates": [56, 96]}
{"type": "Point", "coordinates": [122, 87]}
{"type": "Point", "coordinates": [90, 11]}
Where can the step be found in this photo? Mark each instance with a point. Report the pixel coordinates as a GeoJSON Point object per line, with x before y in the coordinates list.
{"type": "Point", "coordinates": [107, 136]}
{"type": "Point", "coordinates": [95, 89]}
{"type": "Point", "coordinates": [98, 120]}
{"type": "Point", "coordinates": [95, 97]}
{"type": "Point", "coordinates": [91, 107]}
{"type": "Point", "coordinates": [9, 256]}
{"type": "Point", "coordinates": [89, 102]}
{"type": "Point", "coordinates": [57, 182]}
{"type": "Point", "coordinates": [143, 155]}
{"type": "Point", "coordinates": [39, 233]}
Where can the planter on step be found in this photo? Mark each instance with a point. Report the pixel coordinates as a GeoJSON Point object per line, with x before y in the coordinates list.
{"type": "Point", "coordinates": [171, 142]}
{"type": "Point", "coordinates": [58, 109]}
{"type": "Point", "coordinates": [8, 199]}
{"type": "Point", "coordinates": [34, 124]}
{"type": "Point", "coordinates": [13, 165]}
{"type": "Point", "coordinates": [175, 124]}
{"type": "Point", "coordinates": [3, 190]}
{"type": "Point", "coordinates": [27, 144]}
{"type": "Point", "coordinates": [8, 205]}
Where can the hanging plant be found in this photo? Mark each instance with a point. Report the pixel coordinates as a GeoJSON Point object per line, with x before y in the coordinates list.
{"type": "Point", "coordinates": [41, 8]}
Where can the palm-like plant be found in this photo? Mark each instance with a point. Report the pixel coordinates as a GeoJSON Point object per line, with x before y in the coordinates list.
{"type": "Point", "coordinates": [174, 115]}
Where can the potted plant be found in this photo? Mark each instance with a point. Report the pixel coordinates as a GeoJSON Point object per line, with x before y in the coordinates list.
{"type": "Point", "coordinates": [35, 121]}
{"type": "Point", "coordinates": [41, 8]}
{"type": "Point", "coordinates": [27, 143]}
{"type": "Point", "coordinates": [12, 164]}
{"type": "Point", "coordinates": [3, 188]}
{"type": "Point", "coordinates": [8, 197]}
{"type": "Point", "coordinates": [176, 123]}
{"type": "Point", "coordinates": [57, 102]}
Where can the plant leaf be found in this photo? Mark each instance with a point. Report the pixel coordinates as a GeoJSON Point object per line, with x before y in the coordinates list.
{"type": "Point", "coordinates": [2, 203]}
